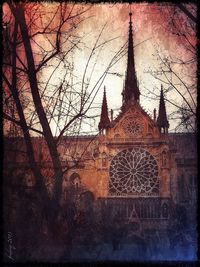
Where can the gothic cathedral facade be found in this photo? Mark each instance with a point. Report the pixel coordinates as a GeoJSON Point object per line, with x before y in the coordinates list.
{"type": "Point", "coordinates": [132, 170]}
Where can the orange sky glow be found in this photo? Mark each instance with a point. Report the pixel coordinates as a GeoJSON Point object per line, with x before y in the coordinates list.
{"type": "Point", "coordinates": [151, 35]}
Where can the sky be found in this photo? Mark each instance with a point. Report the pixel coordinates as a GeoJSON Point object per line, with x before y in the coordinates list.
{"type": "Point", "coordinates": [151, 34]}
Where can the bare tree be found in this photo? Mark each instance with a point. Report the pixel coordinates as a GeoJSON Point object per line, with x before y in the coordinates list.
{"type": "Point", "coordinates": [34, 49]}
{"type": "Point", "coordinates": [177, 71]}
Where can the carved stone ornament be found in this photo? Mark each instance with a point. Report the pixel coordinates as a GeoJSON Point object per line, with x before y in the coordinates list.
{"type": "Point", "coordinates": [134, 171]}
{"type": "Point", "coordinates": [132, 126]}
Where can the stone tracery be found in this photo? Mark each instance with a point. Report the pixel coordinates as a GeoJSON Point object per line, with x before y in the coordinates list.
{"type": "Point", "coordinates": [133, 171]}
{"type": "Point", "coordinates": [132, 126]}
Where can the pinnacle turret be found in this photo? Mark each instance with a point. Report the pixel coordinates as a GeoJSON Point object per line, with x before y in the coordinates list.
{"type": "Point", "coordinates": [104, 120]}
{"type": "Point", "coordinates": [162, 121]}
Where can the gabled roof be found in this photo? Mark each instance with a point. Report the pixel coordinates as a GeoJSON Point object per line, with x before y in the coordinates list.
{"type": "Point", "coordinates": [127, 108]}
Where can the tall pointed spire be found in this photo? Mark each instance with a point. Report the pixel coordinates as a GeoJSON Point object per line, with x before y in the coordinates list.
{"type": "Point", "coordinates": [162, 121]}
{"type": "Point", "coordinates": [104, 120]}
{"type": "Point", "coordinates": [131, 90]}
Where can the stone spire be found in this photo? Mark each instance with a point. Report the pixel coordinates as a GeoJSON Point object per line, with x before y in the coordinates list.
{"type": "Point", "coordinates": [162, 121]}
{"type": "Point", "coordinates": [131, 90]}
{"type": "Point", "coordinates": [104, 120]}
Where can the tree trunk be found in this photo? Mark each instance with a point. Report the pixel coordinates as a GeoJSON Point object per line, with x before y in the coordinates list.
{"type": "Point", "coordinates": [30, 151]}
{"type": "Point", "coordinates": [19, 15]}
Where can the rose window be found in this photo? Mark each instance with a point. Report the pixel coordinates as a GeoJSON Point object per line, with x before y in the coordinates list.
{"type": "Point", "coordinates": [132, 126]}
{"type": "Point", "coordinates": [133, 172]}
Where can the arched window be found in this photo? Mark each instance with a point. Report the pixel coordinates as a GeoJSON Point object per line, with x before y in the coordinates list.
{"type": "Point", "coordinates": [75, 180]}
{"type": "Point", "coordinates": [29, 179]}
{"type": "Point", "coordinates": [165, 211]}
{"type": "Point", "coordinates": [104, 161]}
{"type": "Point", "coordinates": [96, 153]}
{"type": "Point", "coordinates": [164, 159]}
{"type": "Point", "coordinates": [150, 128]}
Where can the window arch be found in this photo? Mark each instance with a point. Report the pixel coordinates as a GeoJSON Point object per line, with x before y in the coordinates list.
{"type": "Point", "coordinates": [104, 160]}
{"type": "Point", "coordinates": [75, 180]}
{"type": "Point", "coordinates": [96, 153]}
{"type": "Point", "coordinates": [165, 210]}
{"type": "Point", "coordinates": [29, 179]}
{"type": "Point", "coordinates": [117, 136]}
{"type": "Point", "coordinates": [164, 158]}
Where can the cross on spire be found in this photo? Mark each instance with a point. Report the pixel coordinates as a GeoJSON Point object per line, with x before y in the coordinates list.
{"type": "Point", "coordinates": [130, 8]}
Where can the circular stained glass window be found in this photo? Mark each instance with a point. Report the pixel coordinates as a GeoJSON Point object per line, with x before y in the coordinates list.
{"type": "Point", "coordinates": [132, 126]}
{"type": "Point", "coordinates": [133, 171]}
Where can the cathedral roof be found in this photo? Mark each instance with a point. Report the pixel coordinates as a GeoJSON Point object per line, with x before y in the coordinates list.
{"type": "Point", "coordinates": [126, 109]}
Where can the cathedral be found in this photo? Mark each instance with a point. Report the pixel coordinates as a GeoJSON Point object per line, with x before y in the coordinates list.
{"type": "Point", "coordinates": [134, 170]}
{"type": "Point", "coordinates": [134, 167]}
